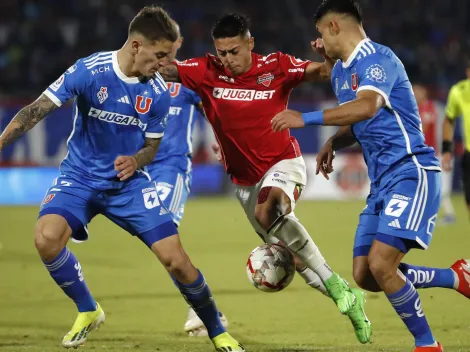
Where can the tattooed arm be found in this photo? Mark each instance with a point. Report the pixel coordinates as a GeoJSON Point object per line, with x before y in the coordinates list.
{"type": "Point", "coordinates": [127, 165]}
{"type": "Point", "coordinates": [26, 119]}
{"type": "Point", "coordinates": [170, 73]}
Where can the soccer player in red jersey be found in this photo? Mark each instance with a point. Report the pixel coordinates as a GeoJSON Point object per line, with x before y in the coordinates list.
{"type": "Point", "coordinates": [430, 120]}
{"type": "Point", "coordinates": [241, 92]}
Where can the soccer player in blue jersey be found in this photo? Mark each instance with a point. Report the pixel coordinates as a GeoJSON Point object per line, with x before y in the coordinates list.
{"type": "Point", "coordinates": [120, 107]}
{"type": "Point", "coordinates": [172, 167]}
{"type": "Point", "coordinates": [378, 109]}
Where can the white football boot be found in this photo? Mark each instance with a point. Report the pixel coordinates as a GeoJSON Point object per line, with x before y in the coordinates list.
{"type": "Point", "coordinates": [195, 327]}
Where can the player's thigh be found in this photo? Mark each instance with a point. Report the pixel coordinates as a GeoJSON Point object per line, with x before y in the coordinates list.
{"type": "Point", "coordinates": [173, 188]}
{"type": "Point", "coordinates": [66, 209]}
{"type": "Point", "coordinates": [410, 210]}
{"type": "Point", "coordinates": [247, 196]}
{"type": "Point", "coordinates": [138, 210]}
{"type": "Point", "coordinates": [466, 176]}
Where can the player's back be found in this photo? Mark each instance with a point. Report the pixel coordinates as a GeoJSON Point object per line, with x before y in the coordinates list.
{"type": "Point", "coordinates": [176, 146]}
{"type": "Point", "coordinates": [112, 115]}
{"type": "Point", "coordinates": [240, 109]}
{"type": "Point", "coordinates": [393, 139]}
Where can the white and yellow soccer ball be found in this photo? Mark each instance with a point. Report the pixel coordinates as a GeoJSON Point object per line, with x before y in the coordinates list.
{"type": "Point", "coordinates": [270, 267]}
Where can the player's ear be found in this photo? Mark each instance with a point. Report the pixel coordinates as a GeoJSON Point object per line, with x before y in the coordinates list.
{"type": "Point", "coordinates": [179, 42]}
{"type": "Point", "coordinates": [333, 28]}
{"type": "Point", "coordinates": [251, 43]}
{"type": "Point", "coordinates": [135, 45]}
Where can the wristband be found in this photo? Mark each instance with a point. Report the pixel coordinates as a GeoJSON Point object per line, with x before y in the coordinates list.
{"type": "Point", "coordinates": [447, 147]}
{"type": "Point", "coordinates": [313, 118]}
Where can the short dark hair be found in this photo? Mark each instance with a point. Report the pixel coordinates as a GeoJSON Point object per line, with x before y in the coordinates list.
{"type": "Point", "coordinates": [155, 24]}
{"type": "Point", "coordinates": [348, 7]}
{"type": "Point", "coordinates": [231, 25]}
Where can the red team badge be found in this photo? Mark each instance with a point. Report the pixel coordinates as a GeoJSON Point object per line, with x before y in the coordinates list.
{"type": "Point", "coordinates": [354, 82]}
{"type": "Point", "coordinates": [48, 198]}
{"type": "Point", "coordinates": [265, 79]}
{"type": "Point", "coordinates": [145, 107]}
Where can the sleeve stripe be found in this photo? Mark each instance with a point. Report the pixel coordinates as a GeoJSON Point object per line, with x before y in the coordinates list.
{"type": "Point", "coordinates": [154, 135]}
{"type": "Point", "coordinates": [377, 90]}
{"type": "Point", "coordinates": [51, 96]}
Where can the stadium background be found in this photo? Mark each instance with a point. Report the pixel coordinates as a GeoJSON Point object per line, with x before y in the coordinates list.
{"type": "Point", "coordinates": [39, 39]}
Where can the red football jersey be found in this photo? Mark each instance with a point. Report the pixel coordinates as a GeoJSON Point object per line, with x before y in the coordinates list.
{"type": "Point", "coordinates": [429, 119]}
{"type": "Point", "coordinates": [240, 109]}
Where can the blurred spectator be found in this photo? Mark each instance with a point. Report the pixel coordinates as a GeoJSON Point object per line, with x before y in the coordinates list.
{"type": "Point", "coordinates": [39, 39]}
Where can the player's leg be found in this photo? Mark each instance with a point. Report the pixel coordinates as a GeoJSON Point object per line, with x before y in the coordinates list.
{"type": "Point", "coordinates": [173, 187]}
{"type": "Point", "coordinates": [274, 212]}
{"type": "Point", "coordinates": [466, 179]}
{"type": "Point", "coordinates": [448, 208]}
{"type": "Point", "coordinates": [144, 217]}
{"type": "Point", "coordinates": [407, 221]}
{"type": "Point", "coordinates": [63, 214]}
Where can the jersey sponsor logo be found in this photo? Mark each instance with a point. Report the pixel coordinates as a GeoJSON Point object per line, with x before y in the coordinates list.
{"type": "Point", "coordinates": [187, 63]}
{"type": "Point", "coordinates": [57, 84]}
{"type": "Point", "coordinates": [124, 100]}
{"type": "Point", "coordinates": [242, 94]}
{"type": "Point", "coordinates": [354, 82]}
{"type": "Point", "coordinates": [227, 79]}
{"type": "Point", "coordinates": [376, 73]}
{"type": "Point", "coordinates": [142, 104]}
{"type": "Point", "coordinates": [48, 198]}
{"type": "Point", "coordinates": [293, 70]}
{"type": "Point", "coordinates": [345, 85]}
{"type": "Point", "coordinates": [100, 69]}
{"type": "Point", "coordinates": [265, 79]}
{"type": "Point", "coordinates": [399, 196]}
{"type": "Point", "coordinates": [71, 69]}
{"type": "Point", "coordinates": [175, 110]}
{"type": "Point", "coordinates": [151, 198]}
{"type": "Point", "coordinates": [396, 207]}
{"type": "Point", "coordinates": [119, 119]}
{"type": "Point", "coordinates": [174, 89]}
{"type": "Point", "coordinates": [102, 94]}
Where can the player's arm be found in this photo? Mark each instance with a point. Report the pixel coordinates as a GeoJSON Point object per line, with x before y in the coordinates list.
{"type": "Point", "coordinates": [170, 73]}
{"type": "Point", "coordinates": [364, 107]}
{"type": "Point", "coordinates": [319, 71]}
{"type": "Point", "coordinates": [452, 112]}
{"type": "Point", "coordinates": [341, 139]}
{"type": "Point", "coordinates": [26, 119]}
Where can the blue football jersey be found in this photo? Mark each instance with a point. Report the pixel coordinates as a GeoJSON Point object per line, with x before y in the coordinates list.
{"type": "Point", "coordinates": [393, 139]}
{"type": "Point", "coordinates": [176, 146]}
{"type": "Point", "coordinates": [113, 114]}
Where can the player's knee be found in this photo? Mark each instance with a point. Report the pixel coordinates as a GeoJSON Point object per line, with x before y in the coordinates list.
{"type": "Point", "coordinates": [49, 240]}
{"type": "Point", "coordinates": [380, 268]}
{"type": "Point", "coordinates": [178, 265]}
{"type": "Point", "coordinates": [272, 203]}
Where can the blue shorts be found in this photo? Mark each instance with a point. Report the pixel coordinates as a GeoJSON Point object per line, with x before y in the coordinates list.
{"type": "Point", "coordinates": [135, 208]}
{"type": "Point", "coordinates": [173, 188]}
{"type": "Point", "coordinates": [402, 214]}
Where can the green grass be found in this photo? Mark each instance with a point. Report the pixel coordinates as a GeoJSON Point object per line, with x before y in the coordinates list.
{"type": "Point", "coordinates": [146, 313]}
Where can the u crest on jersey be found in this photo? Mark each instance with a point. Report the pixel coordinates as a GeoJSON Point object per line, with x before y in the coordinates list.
{"type": "Point", "coordinates": [174, 89]}
{"type": "Point", "coordinates": [142, 104]}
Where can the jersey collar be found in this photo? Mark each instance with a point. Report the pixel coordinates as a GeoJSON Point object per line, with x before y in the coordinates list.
{"type": "Point", "coordinates": [353, 55]}
{"type": "Point", "coordinates": [122, 76]}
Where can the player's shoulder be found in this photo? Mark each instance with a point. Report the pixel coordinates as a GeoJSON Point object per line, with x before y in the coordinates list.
{"type": "Point", "coordinates": [372, 52]}
{"type": "Point", "coordinates": [460, 86]}
{"type": "Point", "coordinates": [95, 63]}
{"type": "Point", "coordinates": [159, 87]}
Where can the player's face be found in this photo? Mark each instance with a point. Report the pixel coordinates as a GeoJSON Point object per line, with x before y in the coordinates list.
{"type": "Point", "coordinates": [150, 56]}
{"type": "Point", "coordinates": [235, 53]}
{"type": "Point", "coordinates": [329, 32]}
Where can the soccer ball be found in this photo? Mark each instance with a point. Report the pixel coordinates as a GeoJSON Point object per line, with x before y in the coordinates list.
{"type": "Point", "coordinates": [270, 267]}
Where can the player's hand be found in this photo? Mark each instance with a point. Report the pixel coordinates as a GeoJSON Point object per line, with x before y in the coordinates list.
{"type": "Point", "coordinates": [126, 165]}
{"type": "Point", "coordinates": [318, 47]}
{"type": "Point", "coordinates": [217, 152]}
{"type": "Point", "coordinates": [325, 160]}
{"type": "Point", "coordinates": [287, 119]}
{"type": "Point", "coordinates": [446, 161]}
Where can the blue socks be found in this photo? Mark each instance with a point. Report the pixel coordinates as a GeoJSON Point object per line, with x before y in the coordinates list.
{"type": "Point", "coordinates": [408, 306]}
{"type": "Point", "coordinates": [423, 277]}
{"type": "Point", "coordinates": [67, 273]}
{"type": "Point", "coordinates": [199, 297]}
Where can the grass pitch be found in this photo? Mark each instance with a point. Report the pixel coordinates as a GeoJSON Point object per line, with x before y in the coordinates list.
{"type": "Point", "coordinates": [146, 313]}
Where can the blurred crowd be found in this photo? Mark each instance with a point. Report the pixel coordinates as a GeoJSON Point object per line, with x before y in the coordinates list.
{"type": "Point", "coordinates": [41, 38]}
